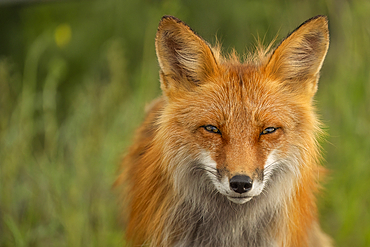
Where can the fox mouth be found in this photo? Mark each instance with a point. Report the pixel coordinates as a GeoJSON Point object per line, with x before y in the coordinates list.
{"type": "Point", "coordinates": [240, 199]}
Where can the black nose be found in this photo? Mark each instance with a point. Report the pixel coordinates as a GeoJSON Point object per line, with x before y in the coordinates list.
{"type": "Point", "coordinates": [241, 183]}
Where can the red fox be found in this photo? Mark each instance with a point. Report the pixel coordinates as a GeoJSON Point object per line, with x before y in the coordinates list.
{"type": "Point", "coordinates": [228, 155]}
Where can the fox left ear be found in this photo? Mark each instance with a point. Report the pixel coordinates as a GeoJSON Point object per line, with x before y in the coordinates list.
{"type": "Point", "coordinates": [297, 61]}
{"type": "Point", "coordinates": [185, 59]}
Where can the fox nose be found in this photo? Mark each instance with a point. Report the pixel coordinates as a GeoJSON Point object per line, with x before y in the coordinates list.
{"type": "Point", "coordinates": [241, 183]}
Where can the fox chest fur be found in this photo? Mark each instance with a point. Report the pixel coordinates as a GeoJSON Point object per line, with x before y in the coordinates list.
{"type": "Point", "coordinates": [228, 156]}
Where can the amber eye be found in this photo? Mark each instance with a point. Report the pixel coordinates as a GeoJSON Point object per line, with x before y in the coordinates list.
{"type": "Point", "coordinates": [268, 130]}
{"type": "Point", "coordinates": [212, 129]}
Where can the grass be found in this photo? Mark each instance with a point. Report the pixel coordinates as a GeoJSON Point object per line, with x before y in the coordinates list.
{"type": "Point", "coordinates": [68, 108]}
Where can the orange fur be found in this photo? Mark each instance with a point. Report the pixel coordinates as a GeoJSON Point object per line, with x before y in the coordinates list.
{"type": "Point", "coordinates": [220, 120]}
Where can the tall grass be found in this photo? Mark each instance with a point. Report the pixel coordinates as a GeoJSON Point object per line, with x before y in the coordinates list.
{"type": "Point", "coordinates": [68, 110]}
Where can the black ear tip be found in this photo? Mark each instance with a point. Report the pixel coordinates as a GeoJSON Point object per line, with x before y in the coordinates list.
{"type": "Point", "coordinates": [319, 18]}
{"type": "Point", "coordinates": [170, 19]}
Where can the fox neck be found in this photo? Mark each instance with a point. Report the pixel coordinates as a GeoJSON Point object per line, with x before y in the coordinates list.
{"type": "Point", "coordinates": [200, 216]}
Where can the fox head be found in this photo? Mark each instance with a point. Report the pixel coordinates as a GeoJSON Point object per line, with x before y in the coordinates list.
{"type": "Point", "coordinates": [244, 124]}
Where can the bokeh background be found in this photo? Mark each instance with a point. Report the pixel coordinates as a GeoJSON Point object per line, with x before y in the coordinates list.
{"type": "Point", "coordinates": [75, 77]}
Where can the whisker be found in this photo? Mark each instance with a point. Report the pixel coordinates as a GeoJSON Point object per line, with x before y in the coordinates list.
{"type": "Point", "coordinates": [210, 170]}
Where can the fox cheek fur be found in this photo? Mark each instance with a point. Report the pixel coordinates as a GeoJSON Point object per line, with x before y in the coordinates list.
{"type": "Point", "coordinates": [228, 155]}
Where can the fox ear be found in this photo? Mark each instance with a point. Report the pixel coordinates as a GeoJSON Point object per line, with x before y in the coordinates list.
{"type": "Point", "coordinates": [297, 61]}
{"type": "Point", "coordinates": [185, 58]}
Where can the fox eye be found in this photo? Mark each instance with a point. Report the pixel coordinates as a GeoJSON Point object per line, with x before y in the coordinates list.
{"type": "Point", "coordinates": [268, 130]}
{"type": "Point", "coordinates": [212, 129]}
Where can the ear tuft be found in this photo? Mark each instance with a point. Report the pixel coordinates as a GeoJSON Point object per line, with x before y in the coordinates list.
{"type": "Point", "coordinates": [297, 61]}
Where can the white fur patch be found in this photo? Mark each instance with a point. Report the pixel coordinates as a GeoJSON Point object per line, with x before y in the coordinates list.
{"type": "Point", "coordinates": [271, 164]}
{"type": "Point", "coordinates": [211, 166]}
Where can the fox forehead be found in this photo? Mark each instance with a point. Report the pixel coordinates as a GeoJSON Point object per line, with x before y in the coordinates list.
{"type": "Point", "coordinates": [242, 95]}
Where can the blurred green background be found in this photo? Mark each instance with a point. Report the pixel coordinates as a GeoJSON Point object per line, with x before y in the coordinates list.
{"type": "Point", "coordinates": [76, 75]}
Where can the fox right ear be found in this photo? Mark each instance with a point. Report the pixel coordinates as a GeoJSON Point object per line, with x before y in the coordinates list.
{"type": "Point", "coordinates": [297, 61]}
{"type": "Point", "coordinates": [185, 59]}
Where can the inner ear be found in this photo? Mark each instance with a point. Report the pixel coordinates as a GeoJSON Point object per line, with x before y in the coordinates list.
{"type": "Point", "coordinates": [185, 59]}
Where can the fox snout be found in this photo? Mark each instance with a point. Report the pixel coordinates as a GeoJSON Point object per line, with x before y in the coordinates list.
{"type": "Point", "coordinates": [241, 188]}
{"type": "Point", "coordinates": [241, 184]}
{"type": "Point", "coordinates": [238, 184]}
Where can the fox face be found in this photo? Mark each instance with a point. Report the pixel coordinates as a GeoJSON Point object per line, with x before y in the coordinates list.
{"type": "Point", "coordinates": [243, 124]}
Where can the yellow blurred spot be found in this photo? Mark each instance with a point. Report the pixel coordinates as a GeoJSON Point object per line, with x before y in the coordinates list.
{"type": "Point", "coordinates": [62, 35]}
